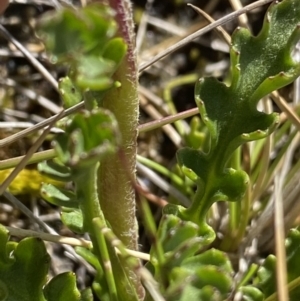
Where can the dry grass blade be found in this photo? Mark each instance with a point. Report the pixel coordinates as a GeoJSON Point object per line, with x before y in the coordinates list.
{"type": "Point", "coordinates": [47, 75]}
{"type": "Point", "coordinates": [31, 151]}
{"type": "Point", "coordinates": [49, 154]}
{"type": "Point", "coordinates": [40, 125]}
{"type": "Point", "coordinates": [40, 2]}
{"type": "Point", "coordinates": [281, 268]}
{"type": "Point", "coordinates": [25, 210]}
{"type": "Point", "coordinates": [166, 26]}
{"type": "Point", "coordinates": [71, 241]}
{"type": "Point", "coordinates": [168, 129]}
{"type": "Point", "coordinates": [162, 184]}
{"type": "Point", "coordinates": [41, 100]}
{"type": "Point", "coordinates": [50, 237]}
{"type": "Point", "coordinates": [35, 158]}
{"type": "Point", "coordinates": [202, 31]}
{"type": "Point", "coordinates": [143, 190]}
{"type": "Point", "coordinates": [163, 121]}
{"type": "Point", "coordinates": [236, 5]}
{"type": "Point", "coordinates": [151, 285]}
{"type": "Point", "coordinates": [156, 49]}
{"type": "Point", "coordinates": [141, 31]}
{"type": "Point", "coordinates": [56, 4]}
{"type": "Point", "coordinates": [284, 107]}
{"type": "Point", "coordinates": [219, 29]}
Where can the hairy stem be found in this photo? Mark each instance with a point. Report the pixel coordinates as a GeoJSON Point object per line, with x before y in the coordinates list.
{"type": "Point", "coordinates": [116, 173]}
{"type": "Point", "coordinates": [117, 195]}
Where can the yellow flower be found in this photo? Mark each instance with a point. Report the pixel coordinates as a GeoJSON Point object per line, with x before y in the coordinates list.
{"type": "Point", "coordinates": [28, 181]}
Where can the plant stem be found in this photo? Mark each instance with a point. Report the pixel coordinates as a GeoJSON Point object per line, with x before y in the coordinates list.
{"type": "Point", "coordinates": [117, 195]}
{"type": "Point", "coordinates": [116, 173]}
{"type": "Point", "coordinates": [86, 186]}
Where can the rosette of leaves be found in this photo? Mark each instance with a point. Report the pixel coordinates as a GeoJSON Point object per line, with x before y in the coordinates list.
{"type": "Point", "coordinates": [181, 274]}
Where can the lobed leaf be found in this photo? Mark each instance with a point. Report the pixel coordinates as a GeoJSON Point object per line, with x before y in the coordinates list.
{"type": "Point", "coordinates": [259, 65]}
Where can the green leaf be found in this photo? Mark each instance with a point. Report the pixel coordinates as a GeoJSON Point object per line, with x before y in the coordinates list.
{"type": "Point", "coordinates": [214, 277]}
{"type": "Point", "coordinates": [87, 295]}
{"type": "Point", "coordinates": [68, 92]}
{"type": "Point", "coordinates": [210, 257]}
{"type": "Point", "coordinates": [180, 241]}
{"type": "Point", "coordinates": [73, 219]}
{"type": "Point", "coordinates": [23, 271]}
{"type": "Point", "coordinates": [94, 73]}
{"type": "Point", "coordinates": [85, 39]}
{"type": "Point", "coordinates": [115, 50]}
{"type": "Point", "coordinates": [251, 293]}
{"type": "Point", "coordinates": [267, 273]}
{"type": "Point", "coordinates": [58, 196]}
{"type": "Point", "coordinates": [62, 288]}
{"type": "Point", "coordinates": [173, 231]}
{"type": "Point", "coordinates": [55, 171]}
{"type": "Point", "coordinates": [89, 137]}
{"type": "Point", "coordinates": [209, 272]}
{"type": "Point", "coordinates": [205, 232]}
{"type": "Point", "coordinates": [267, 276]}
{"type": "Point", "coordinates": [68, 32]}
{"type": "Point", "coordinates": [259, 65]}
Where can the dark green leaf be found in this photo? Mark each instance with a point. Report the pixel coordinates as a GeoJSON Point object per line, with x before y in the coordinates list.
{"type": "Point", "coordinates": [23, 271]}
{"type": "Point", "coordinates": [62, 288]}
